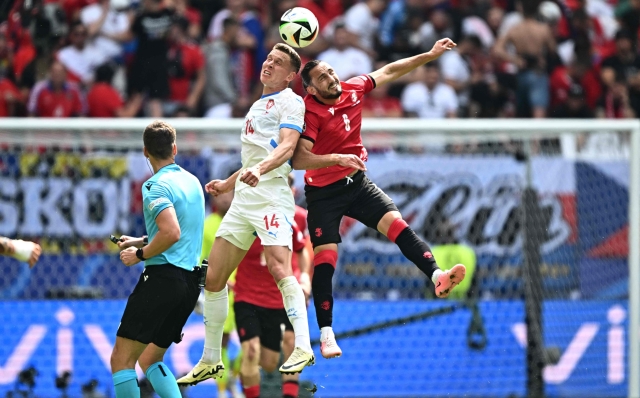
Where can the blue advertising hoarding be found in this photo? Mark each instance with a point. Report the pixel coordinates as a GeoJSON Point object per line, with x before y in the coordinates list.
{"type": "Point", "coordinates": [430, 357]}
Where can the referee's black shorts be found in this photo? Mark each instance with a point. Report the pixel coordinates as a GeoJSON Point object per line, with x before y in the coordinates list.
{"type": "Point", "coordinates": [255, 321]}
{"type": "Point", "coordinates": [356, 197]}
{"type": "Point", "coordinates": [160, 305]}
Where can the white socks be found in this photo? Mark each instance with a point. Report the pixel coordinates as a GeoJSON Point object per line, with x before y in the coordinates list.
{"type": "Point", "coordinates": [436, 274]}
{"type": "Point", "coordinates": [296, 308]}
{"type": "Point", "coordinates": [216, 308]}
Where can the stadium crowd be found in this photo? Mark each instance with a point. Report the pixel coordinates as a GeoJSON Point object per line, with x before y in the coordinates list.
{"type": "Point", "coordinates": [125, 58]}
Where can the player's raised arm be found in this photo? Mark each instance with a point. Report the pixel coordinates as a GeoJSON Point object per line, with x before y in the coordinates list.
{"type": "Point", "coordinates": [395, 70]}
{"type": "Point", "coordinates": [282, 153]}
{"type": "Point", "coordinates": [304, 159]}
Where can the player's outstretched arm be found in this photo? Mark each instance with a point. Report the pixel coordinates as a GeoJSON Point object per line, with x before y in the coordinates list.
{"type": "Point", "coordinates": [304, 159]}
{"type": "Point", "coordinates": [21, 250]}
{"type": "Point", "coordinates": [395, 70]}
{"type": "Point", "coordinates": [282, 153]}
{"type": "Point", "coordinates": [218, 187]}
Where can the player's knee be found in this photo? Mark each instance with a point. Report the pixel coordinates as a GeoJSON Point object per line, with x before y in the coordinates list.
{"type": "Point", "coordinates": [388, 220]}
{"type": "Point", "coordinates": [251, 352]}
{"type": "Point", "coordinates": [120, 360]}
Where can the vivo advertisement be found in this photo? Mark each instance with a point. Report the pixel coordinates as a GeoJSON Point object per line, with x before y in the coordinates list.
{"type": "Point", "coordinates": [426, 358]}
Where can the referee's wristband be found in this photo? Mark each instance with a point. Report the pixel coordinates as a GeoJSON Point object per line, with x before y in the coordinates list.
{"type": "Point", "coordinates": [145, 240]}
{"type": "Point", "coordinates": [140, 254]}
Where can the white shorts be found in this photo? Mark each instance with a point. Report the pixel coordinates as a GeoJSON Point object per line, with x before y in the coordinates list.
{"type": "Point", "coordinates": [265, 211]}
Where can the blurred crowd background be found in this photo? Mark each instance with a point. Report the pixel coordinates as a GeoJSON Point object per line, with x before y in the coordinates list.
{"type": "Point", "coordinates": [201, 58]}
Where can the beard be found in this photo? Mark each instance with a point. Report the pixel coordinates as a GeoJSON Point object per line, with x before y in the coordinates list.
{"type": "Point", "coordinates": [326, 94]}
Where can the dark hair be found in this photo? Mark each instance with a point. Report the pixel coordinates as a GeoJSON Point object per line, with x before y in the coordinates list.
{"type": "Point", "coordinates": [474, 40]}
{"type": "Point", "coordinates": [432, 64]}
{"type": "Point", "coordinates": [529, 8]}
{"type": "Point", "coordinates": [104, 73]}
{"type": "Point", "coordinates": [229, 22]}
{"type": "Point", "coordinates": [158, 138]}
{"type": "Point", "coordinates": [306, 71]}
{"type": "Point", "coordinates": [294, 58]}
{"type": "Point", "coordinates": [182, 23]}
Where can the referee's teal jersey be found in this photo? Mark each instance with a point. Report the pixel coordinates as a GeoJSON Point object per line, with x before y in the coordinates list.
{"type": "Point", "coordinates": [172, 186]}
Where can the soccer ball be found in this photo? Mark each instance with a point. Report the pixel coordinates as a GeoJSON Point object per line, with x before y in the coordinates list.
{"type": "Point", "coordinates": [298, 27]}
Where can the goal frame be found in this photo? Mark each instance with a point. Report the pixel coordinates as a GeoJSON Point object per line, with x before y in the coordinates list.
{"type": "Point", "coordinates": [223, 134]}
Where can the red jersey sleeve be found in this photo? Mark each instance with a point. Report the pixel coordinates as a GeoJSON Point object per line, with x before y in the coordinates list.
{"type": "Point", "coordinates": [310, 129]}
{"type": "Point", "coordinates": [363, 82]}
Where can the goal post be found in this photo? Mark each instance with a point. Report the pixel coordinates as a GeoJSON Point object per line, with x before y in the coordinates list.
{"type": "Point", "coordinates": [433, 169]}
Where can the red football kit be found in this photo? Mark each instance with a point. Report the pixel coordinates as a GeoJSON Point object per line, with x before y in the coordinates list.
{"type": "Point", "coordinates": [254, 283]}
{"type": "Point", "coordinates": [336, 129]}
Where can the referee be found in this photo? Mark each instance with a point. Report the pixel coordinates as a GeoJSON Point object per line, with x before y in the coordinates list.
{"type": "Point", "coordinates": [168, 289]}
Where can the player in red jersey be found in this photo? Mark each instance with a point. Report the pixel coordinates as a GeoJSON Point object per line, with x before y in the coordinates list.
{"type": "Point", "coordinates": [259, 312]}
{"type": "Point", "coordinates": [335, 184]}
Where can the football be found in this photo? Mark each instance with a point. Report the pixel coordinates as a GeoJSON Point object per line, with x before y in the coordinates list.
{"type": "Point", "coordinates": [298, 27]}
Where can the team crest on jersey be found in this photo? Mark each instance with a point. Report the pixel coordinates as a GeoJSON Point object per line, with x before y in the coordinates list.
{"type": "Point", "coordinates": [354, 96]}
{"type": "Point", "coordinates": [270, 105]}
{"type": "Point", "coordinates": [331, 110]}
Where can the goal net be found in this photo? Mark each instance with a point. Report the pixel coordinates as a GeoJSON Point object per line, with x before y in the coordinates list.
{"type": "Point", "coordinates": [539, 211]}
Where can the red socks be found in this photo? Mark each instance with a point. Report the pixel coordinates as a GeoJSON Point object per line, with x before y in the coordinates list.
{"type": "Point", "coordinates": [290, 389]}
{"type": "Point", "coordinates": [251, 392]}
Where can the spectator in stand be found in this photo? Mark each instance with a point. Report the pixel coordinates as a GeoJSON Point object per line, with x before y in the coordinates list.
{"type": "Point", "coordinates": [615, 103]}
{"type": "Point", "coordinates": [80, 58]}
{"type": "Point", "coordinates": [579, 72]}
{"type": "Point", "coordinates": [574, 107]}
{"type": "Point", "coordinates": [378, 103]}
{"type": "Point", "coordinates": [456, 67]}
{"type": "Point", "coordinates": [488, 99]}
{"type": "Point", "coordinates": [624, 63]}
{"type": "Point", "coordinates": [347, 61]}
{"type": "Point", "coordinates": [431, 98]}
{"type": "Point", "coordinates": [250, 38]}
{"type": "Point", "coordinates": [438, 26]}
{"type": "Point", "coordinates": [628, 13]}
{"type": "Point", "coordinates": [56, 96]}
{"type": "Point", "coordinates": [533, 42]}
{"type": "Point", "coordinates": [103, 100]}
{"type": "Point", "coordinates": [362, 21]}
{"type": "Point", "coordinates": [324, 10]}
{"type": "Point", "coordinates": [193, 16]}
{"type": "Point", "coordinates": [634, 92]}
{"type": "Point", "coordinates": [394, 18]}
{"type": "Point", "coordinates": [220, 92]}
{"type": "Point", "coordinates": [9, 97]}
{"type": "Point", "coordinates": [22, 50]}
{"type": "Point", "coordinates": [107, 17]}
{"type": "Point", "coordinates": [148, 75]}
{"type": "Point", "coordinates": [9, 93]}
{"type": "Point", "coordinates": [186, 70]}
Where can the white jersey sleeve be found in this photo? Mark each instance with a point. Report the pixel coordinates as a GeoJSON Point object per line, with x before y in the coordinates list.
{"type": "Point", "coordinates": [261, 130]}
{"type": "Point", "coordinates": [292, 113]}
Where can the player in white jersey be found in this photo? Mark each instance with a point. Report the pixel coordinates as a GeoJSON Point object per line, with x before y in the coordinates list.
{"type": "Point", "coordinates": [262, 206]}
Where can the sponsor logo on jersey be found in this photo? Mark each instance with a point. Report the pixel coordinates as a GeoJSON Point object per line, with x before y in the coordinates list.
{"type": "Point", "coordinates": [354, 96]}
{"type": "Point", "coordinates": [158, 201]}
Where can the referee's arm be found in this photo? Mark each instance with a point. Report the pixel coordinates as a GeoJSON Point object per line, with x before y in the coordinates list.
{"type": "Point", "coordinates": [168, 233]}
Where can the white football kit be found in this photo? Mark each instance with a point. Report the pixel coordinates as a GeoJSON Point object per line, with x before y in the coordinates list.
{"type": "Point", "coordinates": [267, 209]}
